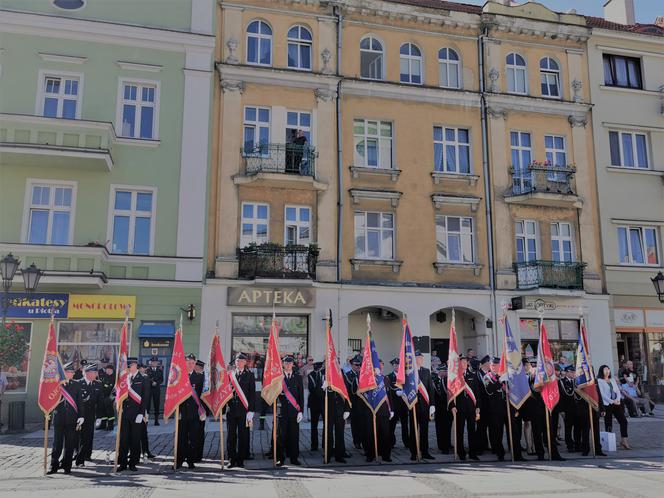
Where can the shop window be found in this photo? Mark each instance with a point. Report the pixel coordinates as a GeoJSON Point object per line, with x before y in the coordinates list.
{"type": "Point", "coordinates": [92, 341]}
{"type": "Point", "coordinates": [563, 338]}
{"type": "Point", "coordinates": [656, 358]}
{"type": "Point", "coordinates": [16, 376]}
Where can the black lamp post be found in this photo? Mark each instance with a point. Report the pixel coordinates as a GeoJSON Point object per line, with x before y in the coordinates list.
{"type": "Point", "coordinates": [658, 282]}
{"type": "Point", "coordinates": [9, 265]}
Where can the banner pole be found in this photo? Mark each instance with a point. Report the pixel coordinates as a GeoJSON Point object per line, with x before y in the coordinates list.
{"type": "Point", "coordinates": [417, 434]}
{"type": "Point", "coordinates": [177, 434]}
{"type": "Point", "coordinates": [117, 439]}
{"type": "Point", "coordinates": [45, 441]}
{"type": "Point", "coordinates": [325, 428]}
{"type": "Point", "coordinates": [456, 451]}
{"type": "Point", "coordinates": [274, 433]}
{"type": "Point", "coordinates": [375, 437]}
{"type": "Point", "coordinates": [592, 430]}
{"type": "Point", "coordinates": [509, 418]}
{"type": "Point", "coordinates": [548, 433]}
{"type": "Point", "coordinates": [221, 439]}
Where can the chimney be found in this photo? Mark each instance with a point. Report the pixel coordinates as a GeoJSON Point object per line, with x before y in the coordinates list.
{"type": "Point", "coordinates": [620, 11]}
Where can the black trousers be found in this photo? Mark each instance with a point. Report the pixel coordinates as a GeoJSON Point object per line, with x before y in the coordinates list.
{"type": "Point", "coordinates": [570, 425]}
{"type": "Point", "coordinates": [443, 429]}
{"type": "Point", "coordinates": [145, 443]}
{"type": "Point", "coordinates": [357, 422]}
{"type": "Point", "coordinates": [423, 429]}
{"type": "Point", "coordinates": [583, 430]}
{"type": "Point", "coordinates": [155, 396]}
{"type": "Point", "coordinates": [317, 413]}
{"type": "Point", "coordinates": [496, 427]}
{"type": "Point", "coordinates": [466, 420]}
{"type": "Point", "coordinates": [201, 441]}
{"type": "Point", "coordinates": [617, 411]}
{"type": "Point", "coordinates": [382, 432]}
{"type": "Point", "coordinates": [400, 416]}
{"type": "Point", "coordinates": [130, 442]}
{"type": "Point", "coordinates": [335, 437]}
{"type": "Point", "coordinates": [517, 429]}
{"type": "Point", "coordinates": [86, 435]}
{"type": "Point", "coordinates": [238, 438]}
{"type": "Point", "coordinates": [482, 437]}
{"type": "Point", "coordinates": [188, 442]}
{"type": "Point", "coordinates": [65, 437]}
{"type": "Point", "coordinates": [288, 438]}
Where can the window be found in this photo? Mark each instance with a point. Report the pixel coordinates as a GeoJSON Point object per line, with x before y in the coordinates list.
{"type": "Point", "coordinates": [259, 43]}
{"type": "Point", "coordinates": [520, 145]}
{"type": "Point", "coordinates": [561, 242]}
{"type": "Point", "coordinates": [371, 58]}
{"type": "Point", "coordinates": [299, 48]}
{"type": "Point", "coordinates": [622, 71]}
{"type": "Point", "coordinates": [454, 239]}
{"type": "Point", "coordinates": [374, 235]}
{"type": "Point", "coordinates": [255, 222]}
{"type": "Point", "coordinates": [61, 96]}
{"type": "Point", "coordinates": [451, 150]}
{"type": "Point", "coordinates": [97, 342]}
{"type": "Point", "coordinates": [132, 220]}
{"type": "Point", "coordinates": [298, 225]}
{"type": "Point", "coordinates": [526, 241]}
{"type": "Point", "coordinates": [50, 213]}
{"type": "Point", "coordinates": [556, 157]}
{"type": "Point", "coordinates": [449, 66]}
{"type": "Point", "coordinates": [373, 143]}
{"type": "Point", "coordinates": [138, 109]}
{"type": "Point", "coordinates": [638, 245]}
{"type": "Point", "coordinates": [550, 77]}
{"type": "Point", "coordinates": [256, 127]}
{"type": "Point", "coordinates": [628, 149]}
{"type": "Point", "coordinates": [298, 121]}
{"type": "Point", "coordinates": [516, 74]}
{"type": "Point", "coordinates": [410, 64]}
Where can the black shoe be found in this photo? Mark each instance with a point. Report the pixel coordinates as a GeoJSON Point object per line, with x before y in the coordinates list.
{"type": "Point", "coordinates": [51, 472]}
{"type": "Point", "coordinates": [280, 463]}
{"type": "Point", "coordinates": [462, 458]}
{"type": "Point", "coordinates": [540, 458]}
{"type": "Point", "coordinates": [191, 465]}
{"type": "Point", "coordinates": [340, 460]}
{"type": "Point", "coordinates": [67, 471]}
{"type": "Point", "coordinates": [413, 458]}
{"type": "Point", "coordinates": [358, 446]}
{"type": "Point", "coordinates": [347, 455]}
{"type": "Point", "coordinates": [121, 468]}
{"type": "Point", "coordinates": [231, 464]}
{"type": "Point", "coordinates": [444, 452]}
{"type": "Point", "coordinates": [268, 454]}
{"type": "Point", "coordinates": [80, 464]}
{"type": "Point", "coordinates": [428, 456]}
{"type": "Point", "coordinates": [133, 468]}
{"type": "Point", "coordinates": [295, 462]}
{"type": "Point", "coordinates": [150, 456]}
{"type": "Point", "coordinates": [370, 459]}
{"type": "Point", "coordinates": [600, 453]}
{"type": "Point", "coordinates": [558, 458]}
{"type": "Point", "coordinates": [387, 459]}
{"type": "Point", "coordinates": [520, 459]}
{"type": "Point", "coordinates": [314, 449]}
{"type": "Point", "coordinates": [586, 453]}
{"type": "Point", "coordinates": [474, 457]}
{"type": "Point", "coordinates": [501, 458]}
{"type": "Point", "coordinates": [156, 422]}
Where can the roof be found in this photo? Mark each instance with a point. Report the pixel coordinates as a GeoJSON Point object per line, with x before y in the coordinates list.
{"type": "Point", "coordinates": [443, 5]}
{"type": "Point", "coordinates": [643, 29]}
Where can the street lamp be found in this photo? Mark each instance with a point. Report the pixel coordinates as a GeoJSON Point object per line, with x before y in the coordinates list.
{"type": "Point", "coordinates": [31, 277]}
{"type": "Point", "coordinates": [8, 268]}
{"type": "Point", "coordinates": [658, 282]}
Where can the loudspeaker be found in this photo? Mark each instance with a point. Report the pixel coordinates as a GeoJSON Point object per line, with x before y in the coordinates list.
{"type": "Point", "coordinates": [517, 303]}
{"type": "Point", "coordinates": [441, 317]}
{"type": "Point", "coordinates": [422, 343]}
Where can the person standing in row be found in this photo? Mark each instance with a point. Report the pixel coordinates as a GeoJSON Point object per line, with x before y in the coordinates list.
{"type": "Point", "coordinates": [443, 417]}
{"type": "Point", "coordinates": [290, 403]}
{"type": "Point", "coordinates": [383, 416]}
{"type": "Point", "coordinates": [398, 406]}
{"type": "Point", "coordinates": [467, 413]}
{"type": "Point", "coordinates": [495, 408]}
{"type": "Point", "coordinates": [424, 411]}
{"type": "Point", "coordinates": [583, 415]}
{"type": "Point", "coordinates": [240, 411]}
{"type": "Point", "coordinates": [190, 417]}
{"type": "Point", "coordinates": [357, 411]}
{"type": "Point", "coordinates": [612, 406]}
{"type": "Point", "coordinates": [156, 375]}
{"type": "Point", "coordinates": [482, 368]}
{"type": "Point", "coordinates": [133, 413]}
{"type": "Point", "coordinates": [567, 404]}
{"type": "Point", "coordinates": [91, 393]}
{"type": "Point", "coordinates": [67, 420]}
{"type": "Point", "coordinates": [338, 412]}
{"type": "Point", "coordinates": [145, 443]}
{"type": "Point", "coordinates": [106, 399]}
{"type": "Point", "coordinates": [316, 401]}
{"type": "Point", "coordinates": [200, 368]}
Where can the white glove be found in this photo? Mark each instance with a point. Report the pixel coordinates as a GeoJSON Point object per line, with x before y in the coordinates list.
{"type": "Point", "coordinates": [145, 418]}
{"type": "Point", "coordinates": [346, 415]}
{"type": "Point", "coordinates": [299, 417]}
{"type": "Point", "coordinates": [202, 417]}
{"type": "Point", "coordinates": [97, 422]}
{"type": "Point", "coordinates": [139, 418]}
{"type": "Point", "coordinates": [324, 385]}
{"type": "Point", "coordinates": [399, 392]}
{"type": "Point", "coordinates": [391, 415]}
{"type": "Point", "coordinates": [80, 421]}
{"type": "Point", "coordinates": [250, 417]}
{"type": "Point", "coordinates": [432, 411]}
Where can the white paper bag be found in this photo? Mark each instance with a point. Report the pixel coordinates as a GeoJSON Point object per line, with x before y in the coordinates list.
{"type": "Point", "coordinates": [608, 441]}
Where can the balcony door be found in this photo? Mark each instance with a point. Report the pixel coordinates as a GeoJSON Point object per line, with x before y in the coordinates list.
{"type": "Point", "coordinates": [297, 232]}
{"type": "Point", "coordinates": [521, 148]}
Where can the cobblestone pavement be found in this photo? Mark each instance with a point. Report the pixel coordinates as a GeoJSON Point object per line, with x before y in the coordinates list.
{"type": "Point", "coordinates": [625, 473]}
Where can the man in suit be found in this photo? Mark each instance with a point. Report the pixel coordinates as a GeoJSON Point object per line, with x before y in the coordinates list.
{"type": "Point", "coordinates": [200, 368]}
{"type": "Point", "coordinates": [398, 406]}
{"type": "Point", "coordinates": [290, 403]}
{"type": "Point", "coordinates": [91, 394]}
{"type": "Point", "coordinates": [383, 415]}
{"type": "Point", "coordinates": [358, 409]}
{"type": "Point", "coordinates": [240, 411]}
{"type": "Point", "coordinates": [67, 420]}
{"type": "Point", "coordinates": [482, 368]}
{"type": "Point", "coordinates": [316, 401]}
{"type": "Point", "coordinates": [106, 398]}
{"type": "Point", "coordinates": [495, 403]}
{"type": "Point", "coordinates": [424, 410]}
{"type": "Point", "coordinates": [191, 414]}
{"type": "Point", "coordinates": [443, 417]}
{"type": "Point", "coordinates": [338, 413]}
{"type": "Point", "coordinates": [467, 413]}
{"type": "Point", "coordinates": [567, 406]}
{"type": "Point", "coordinates": [133, 413]}
{"type": "Point", "coordinates": [156, 375]}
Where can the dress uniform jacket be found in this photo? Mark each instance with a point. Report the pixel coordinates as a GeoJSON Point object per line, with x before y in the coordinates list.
{"type": "Point", "coordinates": [358, 411]}
{"type": "Point", "coordinates": [288, 429]}
{"type": "Point", "coordinates": [495, 411]}
{"type": "Point", "coordinates": [465, 417]}
{"type": "Point", "coordinates": [316, 403]}
{"type": "Point", "coordinates": [64, 419]}
{"type": "Point", "coordinates": [189, 430]}
{"type": "Point", "coordinates": [422, 412]}
{"type": "Point", "coordinates": [156, 376]}
{"type": "Point", "coordinates": [106, 410]}
{"type": "Point", "coordinates": [400, 411]}
{"type": "Point", "coordinates": [443, 417]}
{"type": "Point", "coordinates": [130, 439]}
{"type": "Point", "coordinates": [336, 405]}
{"type": "Point", "coordinates": [236, 417]}
{"type": "Point", "coordinates": [91, 397]}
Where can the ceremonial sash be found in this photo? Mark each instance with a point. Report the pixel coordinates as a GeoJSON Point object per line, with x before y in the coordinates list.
{"type": "Point", "coordinates": [194, 394]}
{"type": "Point", "coordinates": [238, 390]}
{"type": "Point", "coordinates": [67, 397]}
{"type": "Point", "coordinates": [422, 390]}
{"type": "Point", "coordinates": [470, 393]}
{"type": "Point", "coordinates": [289, 396]}
{"type": "Point", "coordinates": [133, 394]}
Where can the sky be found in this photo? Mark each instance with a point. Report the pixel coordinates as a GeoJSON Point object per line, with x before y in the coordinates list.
{"type": "Point", "coordinates": [646, 10]}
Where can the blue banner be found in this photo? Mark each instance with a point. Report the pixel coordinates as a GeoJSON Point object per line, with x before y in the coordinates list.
{"type": "Point", "coordinates": [37, 305]}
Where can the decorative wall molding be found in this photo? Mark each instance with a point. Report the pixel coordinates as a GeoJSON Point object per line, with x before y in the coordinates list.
{"type": "Point", "coordinates": [325, 94]}
{"type": "Point", "coordinates": [577, 121]}
{"type": "Point", "coordinates": [392, 196]}
{"type": "Point", "coordinates": [439, 200]}
{"type": "Point", "coordinates": [576, 88]}
{"type": "Point", "coordinates": [68, 59]}
{"type": "Point", "coordinates": [497, 113]}
{"type": "Point", "coordinates": [135, 66]}
{"type": "Point", "coordinates": [326, 58]}
{"type": "Point", "coordinates": [232, 45]}
{"type": "Point", "coordinates": [232, 85]}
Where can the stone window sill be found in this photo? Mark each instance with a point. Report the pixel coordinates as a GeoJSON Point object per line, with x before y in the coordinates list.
{"type": "Point", "coordinates": [359, 262]}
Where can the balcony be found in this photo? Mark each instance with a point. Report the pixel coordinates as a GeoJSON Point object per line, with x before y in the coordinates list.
{"type": "Point", "coordinates": [54, 142]}
{"type": "Point", "coordinates": [277, 261]}
{"type": "Point", "coordinates": [542, 184]}
{"type": "Point", "coordinates": [550, 274]}
{"type": "Point", "coordinates": [288, 159]}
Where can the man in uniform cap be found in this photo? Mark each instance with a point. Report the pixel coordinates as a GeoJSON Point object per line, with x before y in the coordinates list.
{"type": "Point", "coordinates": [67, 419]}
{"type": "Point", "coordinates": [494, 403]}
{"type": "Point", "coordinates": [443, 417]}
{"type": "Point", "coordinates": [240, 412]}
{"type": "Point", "coordinates": [289, 413]}
{"type": "Point", "coordinates": [358, 409]}
{"type": "Point", "coordinates": [398, 406]}
{"type": "Point", "coordinates": [482, 368]}
{"type": "Point", "coordinates": [191, 414]}
{"type": "Point", "coordinates": [425, 409]}
{"type": "Point", "coordinates": [567, 404]}
{"type": "Point", "coordinates": [200, 368]}
{"type": "Point", "coordinates": [133, 413]}
{"type": "Point", "coordinates": [156, 375]}
{"type": "Point", "coordinates": [91, 394]}
{"type": "Point", "coordinates": [107, 398]}
{"type": "Point", "coordinates": [338, 412]}
{"type": "Point", "coordinates": [315, 380]}
{"type": "Point", "coordinates": [467, 413]}
{"type": "Point", "coordinates": [78, 374]}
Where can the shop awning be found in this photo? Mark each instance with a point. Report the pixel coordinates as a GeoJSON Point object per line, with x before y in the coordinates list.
{"type": "Point", "coordinates": [157, 329]}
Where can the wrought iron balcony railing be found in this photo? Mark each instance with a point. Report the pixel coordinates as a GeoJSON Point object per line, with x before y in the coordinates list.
{"type": "Point", "coordinates": [292, 159]}
{"type": "Point", "coordinates": [552, 274]}
{"type": "Point", "coordinates": [277, 261]}
{"type": "Point", "coordinates": [543, 178]}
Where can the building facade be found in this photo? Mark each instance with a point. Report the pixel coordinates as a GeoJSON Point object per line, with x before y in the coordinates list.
{"type": "Point", "coordinates": [104, 147]}
{"type": "Point", "coordinates": [627, 89]}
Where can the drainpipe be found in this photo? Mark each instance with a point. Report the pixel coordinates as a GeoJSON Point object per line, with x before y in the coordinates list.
{"type": "Point", "coordinates": [340, 185]}
{"type": "Point", "coordinates": [487, 186]}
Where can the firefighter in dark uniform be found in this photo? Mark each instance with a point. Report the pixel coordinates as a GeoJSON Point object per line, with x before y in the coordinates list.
{"type": "Point", "coordinates": [190, 418]}
{"type": "Point", "coordinates": [316, 401]}
{"type": "Point", "coordinates": [482, 367]}
{"type": "Point", "coordinates": [338, 412]}
{"type": "Point", "coordinates": [106, 411]}
{"type": "Point", "coordinates": [67, 419]}
{"type": "Point", "coordinates": [289, 413]}
{"type": "Point", "coordinates": [583, 424]}
{"type": "Point", "coordinates": [567, 404]}
{"type": "Point", "coordinates": [133, 413]}
{"type": "Point", "coordinates": [239, 417]}
{"type": "Point", "coordinates": [358, 408]}
{"type": "Point", "coordinates": [383, 416]}
{"type": "Point", "coordinates": [145, 442]}
{"type": "Point", "coordinates": [156, 375]}
{"type": "Point", "coordinates": [78, 374]}
{"type": "Point", "coordinates": [200, 368]}
{"type": "Point", "coordinates": [494, 402]}
{"type": "Point", "coordinates": [91, 394]}
{"type": "Point", "coordinates": [398, 406]}
{"type": "Point", "coordinates": [443, 417]}
{"type": "Point", "coordinates": [424, 410]}
{"type": "Point", "coordinates": [467, 413]}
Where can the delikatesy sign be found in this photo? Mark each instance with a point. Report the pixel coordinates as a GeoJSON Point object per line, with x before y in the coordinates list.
{"type": "Point", "coordinates": [37, 305]}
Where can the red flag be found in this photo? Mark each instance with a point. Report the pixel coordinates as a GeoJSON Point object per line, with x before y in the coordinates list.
{"type": "Point", "coordinates": [51, 374]}
{"type": "Point", "coordinates": [178, 388]}
{"type": "Point", "coordinates": [456, 381]}
{"type": "Point", "coordinates": [546, 373]}
{"type": "Point", "coordinates": [121, 385]}
{"type": "Point", "coordinates": [585, 377]}
{"type": "Point", "coordinates": [220, 388]}
{"type": "Point", "coordinates": [502, 366]}
{"type": "Point", "coordinates": [273, 374]}
{"type": "Point", "coordinates": [367, 380]}
{"type": "Point", "coordinates": [333, 376]}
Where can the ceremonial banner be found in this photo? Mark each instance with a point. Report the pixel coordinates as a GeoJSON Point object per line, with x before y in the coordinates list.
{"type": "Point", "coordinates": [585, 378]}
{"type": "Point", "coordinates": [545, 376]}
{"type": "Point", "coordinates": [333, 376]}
{"type": "Point", "coordinates": [371, 385]}
{"type": "Point", "coordinates": [511, 368]}
{"type": "Point", "coordinates": [273, 374]}
{"type": "Point", "coordinates": [407, 375]}
{"type": "Point", "coordinates": [52, 374]}
{"type": "Point", "coordinates": [219, 387]}
{"type": "Point", "coordinates": [178, 388]}
{"type": "Point", "coordinates": [456, 382]}
{"type": "Point", "coordinates": [121, 385]}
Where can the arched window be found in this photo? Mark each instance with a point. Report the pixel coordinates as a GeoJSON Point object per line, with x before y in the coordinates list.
{"type": "Point", "coordinates": [371, 58]}
{"type": "Point", "coordinates": [550, 77]}
{"type": "Point", "coordinates": [450, 68]}
{"type": "Point", "coordinates": [299, 48]}
{"type": "Point", "coordinates": [516, 74]}
{"type": "Point", "coordinates": [259, 43]}
{"type": "Point", "coordinates": [410, 64]}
